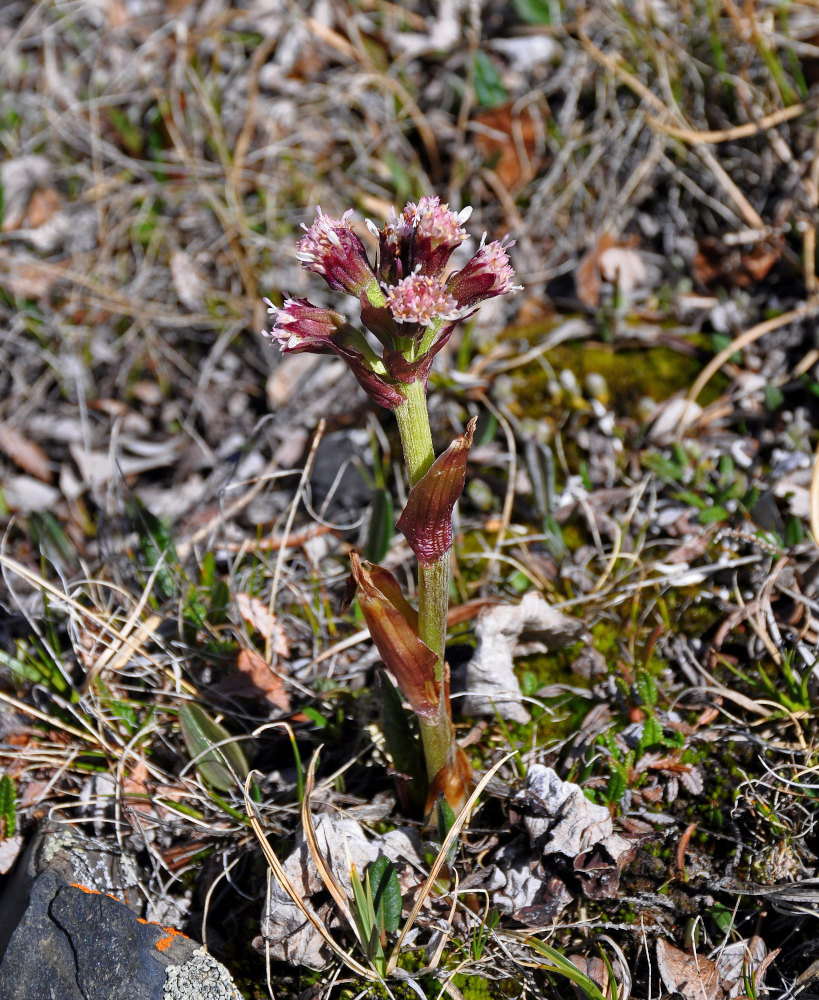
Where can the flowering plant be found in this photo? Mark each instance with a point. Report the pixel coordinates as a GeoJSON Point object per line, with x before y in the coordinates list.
{"type": "Point", "coordinates": [410, 307]}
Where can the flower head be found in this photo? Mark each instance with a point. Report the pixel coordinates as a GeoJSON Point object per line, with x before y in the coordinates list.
{"type": "Point", "coordinates": [407, 304]}
{"type": "Point", "coordinates": [421, 299]}
{"type": "Point", "coordinates": [487, 275]}
{"type": "Point", "coordinates": [301, 326]}
{"type": "Point", "coordinates": [331, 248]}
{"type": "Point", "coordinates": [435, 224]}
{"type": "Point", "coordinates": [422, 238]}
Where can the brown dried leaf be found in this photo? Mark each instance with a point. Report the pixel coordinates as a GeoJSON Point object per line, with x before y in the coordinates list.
{"type": "Point", "coordinates": [43, 205]}
{"type": "Point", "coordinates": [9, 849]}
{"type": "Point", "coordinates": [612, 260]}
{"type": "Point", "coordinates": [393, 625]}
{"type": "Point", "coordinates": [695, 977]}
{"type": "Point", "coordinates": [587, 278]}
{"type": "Point", "coordinates": [262, 677]}
{"type": "Point", "coordinates": [720, 262]}
{"type": "Point", "coordinates": [256, 614]}
{"type": "Point", "coordinates": [427, 518]}
{"type": "Point", "coordinates": [501, 136]}
{"type": "Point", "coordinates": [26, 454]}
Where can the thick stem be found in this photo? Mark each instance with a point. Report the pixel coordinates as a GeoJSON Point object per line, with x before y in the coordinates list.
{"type": "Point", "coordinates": [433, 581]}
{"type": "Point", "coordinates": [413, 426]}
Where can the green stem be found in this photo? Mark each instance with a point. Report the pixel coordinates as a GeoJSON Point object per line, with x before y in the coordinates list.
{"type": "Point", "coordinates": [413, 426]}
{"type": "Point", "coordinates": [433, 581]}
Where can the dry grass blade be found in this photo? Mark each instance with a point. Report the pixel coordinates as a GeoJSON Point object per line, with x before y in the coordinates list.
{"type": "Point", "coordinates": [449, 840]}
{"type": "Point", "coordinates": [34, 713]}
{"type": "Point", "coordinates": [745, 131]}
{"type": "Point", "coordinates": [126, 643]}
{"type": "Point", "coordinates": [287, 885]}
{"type": "Point", "coordinates": [334, 887]}
{"type": "Point", "coordinates": [814, 498]}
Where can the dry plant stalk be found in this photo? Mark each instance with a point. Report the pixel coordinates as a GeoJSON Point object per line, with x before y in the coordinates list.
{"type": "Point", "coordinates": [410, 307]}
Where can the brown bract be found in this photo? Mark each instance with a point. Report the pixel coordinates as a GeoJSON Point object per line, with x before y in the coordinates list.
{"type": "Point", "coordinates": [426, 521]}
{"type": "Point", "coordinates": [393, 625]}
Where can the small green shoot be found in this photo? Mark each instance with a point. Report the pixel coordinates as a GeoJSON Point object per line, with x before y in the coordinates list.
{"type": "Point", "coordinates": [8, 807]}
{"type": "Point", "coordinates": [484, 932]}
{"type": "Point", "coordinates": [561, 965]}
{"type": "Point", "coordinates": [377, 908]}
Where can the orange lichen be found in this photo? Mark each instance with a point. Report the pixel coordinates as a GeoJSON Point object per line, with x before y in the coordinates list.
{"type": "Point", "coordinates": [163, 943]}
{"type": "Point", "coordinates": [93, 892]}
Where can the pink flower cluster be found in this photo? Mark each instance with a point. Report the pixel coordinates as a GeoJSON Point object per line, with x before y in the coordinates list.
{"type": "Point", "coordinates": [408, 303]}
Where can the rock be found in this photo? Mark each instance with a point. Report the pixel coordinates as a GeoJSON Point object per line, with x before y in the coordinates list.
{"type": "Point", "coordinates": [67, 931]}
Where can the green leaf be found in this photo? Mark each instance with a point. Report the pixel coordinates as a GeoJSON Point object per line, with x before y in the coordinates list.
{"type": "Point", "coordinates": [533, 11]}
{"type": "Point", "coordinates": [794, 532]}
{"type": "Point", "coordinates": [489, 88]}
{"type": "Point", "coordinates": [386, 893]}
{"type": "Point", "coordinates": [713, 514]}
{"type": "Point", "coordinates": [380, 530]}
{"type": "Point", "coordinates": [33, 664]}
{"type": "Point", "coordinates": [219, 603]}
{"type": "Point", "coordinates": [617, 783]}
{"type": "Point", "coordinates": [652, 734]}
{"type": "Point", "coordinates": [318, 719]}
{"type": "Point", "coordinates": [446, 819]}
{"type": "Point", "coordinates": [555, 962]}
{"type": "Point", "coordinates": [646, 688]}
{"type": "Point", "coordinates": [401, 738]}
{"type": "Point", "coordinates": [8, 804]}
{"type": "Point", "coordinates": [364, 909]}
{"type": "Point", "coordinates": [216, 765]}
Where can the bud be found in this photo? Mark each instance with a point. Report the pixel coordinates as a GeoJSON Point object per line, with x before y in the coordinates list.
{"type": "Point", "coordinates": [485, 276]}
{"type": "Point", "coordinates": [301, 326]}
{"type": "Point", "coordinates": [436, 233]}
{"type": "Point", "coordinates": [331, 248]}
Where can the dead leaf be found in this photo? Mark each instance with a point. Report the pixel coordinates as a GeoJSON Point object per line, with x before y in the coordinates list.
{"type": "Point", "coordinates": [9, 849]}
{"type": "Point", "coordinates": [558, 816]}
{"type": "Point", "coordinates": [611, 260]}
{"type": "Point", "coordinates": [718, 261]}
{"type": "Point", "coordinates": [624, 267]}
{"type": "Point", "coordinates": [18, 177]}
{"type": "Point", "coordinates": [27, 277]}
{"type": "Point", "coordinates": [593, 967]}
{"type": "Point", "coordinates": [24, 494]}
{"type": "Point", "coordinates": [26, 454]}
{"type": "Point", "coordinates": [256, 614]}
{"type": "Point", "coordinates": [672, 417]}
{"type": "Point", "coordinates": [43, 205]}
{"type": "Point", "coordinates": [187, 281]}
{"type": "Point", "coordinates": [508, 140]}
{"type": "Point", "coordinates": [342, 843]}
{"type": "Point", "coordinates": [262, 677]}
{"type": "Point", "coordinates": [695, 977]}
{"type": "Point", "coordinates": [737, 959]}
{"type": "Point", "coordinates": [490, 677]}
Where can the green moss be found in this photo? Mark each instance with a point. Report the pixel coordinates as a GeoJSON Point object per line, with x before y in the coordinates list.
{"type": "Point", "coordinates": [631, 373]}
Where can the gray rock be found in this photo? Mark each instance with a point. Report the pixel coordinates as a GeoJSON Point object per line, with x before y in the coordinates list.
{"type": "Point", "coordinates": [69, 933]}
